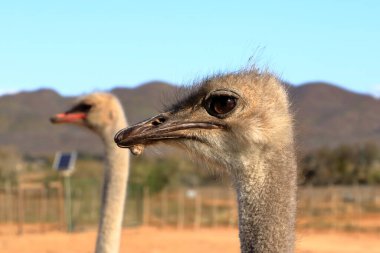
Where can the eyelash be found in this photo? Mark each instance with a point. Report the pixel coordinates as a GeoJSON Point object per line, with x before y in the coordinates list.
{"type": "Point", "coordinates": [80, 108]}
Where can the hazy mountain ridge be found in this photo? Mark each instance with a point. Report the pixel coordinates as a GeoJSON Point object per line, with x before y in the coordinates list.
{"type": "Point", "coordinates": [325, 115]}
{"type": "Point", "coordinates": [328, 115]}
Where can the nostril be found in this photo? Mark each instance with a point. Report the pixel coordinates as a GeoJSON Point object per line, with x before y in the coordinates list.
{"type": "Point", "coordinates": [162, 119]}
{"type": "Point", "coordinates": [158, 121]}
{"type": "Point", "coordinates": [118, 137]}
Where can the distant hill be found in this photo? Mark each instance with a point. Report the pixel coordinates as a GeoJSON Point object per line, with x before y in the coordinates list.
{"type": "Point", "coordinates": [328, 116]}
{"type": "Point", "coordinates": [325, 115]}
{"type": "Point", "coordinates": [142, 102]}
{"type": "Point", "coordinates": [24, 118]}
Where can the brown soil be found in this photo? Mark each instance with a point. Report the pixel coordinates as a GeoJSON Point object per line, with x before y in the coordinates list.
{"type": "Point", "coordinates": [169, 240]}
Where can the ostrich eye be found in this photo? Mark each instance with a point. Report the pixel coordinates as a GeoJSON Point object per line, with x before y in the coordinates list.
{"type": "Point", "coordinates": [85, 108]}
{"type": "Point", "coordinates": [220, 105]}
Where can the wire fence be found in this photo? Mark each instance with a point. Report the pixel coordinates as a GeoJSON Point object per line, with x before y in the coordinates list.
{"type": "Point", "coordinates": [334, 207]}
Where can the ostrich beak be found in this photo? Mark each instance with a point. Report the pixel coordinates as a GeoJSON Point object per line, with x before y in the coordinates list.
{"type": "Point", "coordinates": [68, 118]}
{"type": "Point", "coordinates": [160, 128]}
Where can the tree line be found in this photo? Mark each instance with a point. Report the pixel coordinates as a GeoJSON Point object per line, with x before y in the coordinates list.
{"type": "Point", "coordinates": [342, 165]}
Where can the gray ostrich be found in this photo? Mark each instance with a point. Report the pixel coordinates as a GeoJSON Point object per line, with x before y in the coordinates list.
{"type": "Point", "coordinates": [240, 122]}
{"type": "Point", "coordinates": [103, 114]}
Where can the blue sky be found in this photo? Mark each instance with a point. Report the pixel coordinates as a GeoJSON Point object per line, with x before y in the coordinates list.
{"type": "Point", "coordinates": [81, 46]}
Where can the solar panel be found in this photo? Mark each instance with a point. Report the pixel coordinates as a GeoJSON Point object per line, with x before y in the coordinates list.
{"type": "Point", "coordinates": [65, 161]}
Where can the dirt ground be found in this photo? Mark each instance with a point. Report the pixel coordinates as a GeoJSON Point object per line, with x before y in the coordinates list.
{"type": "Point", "coordinates": [169, 240]}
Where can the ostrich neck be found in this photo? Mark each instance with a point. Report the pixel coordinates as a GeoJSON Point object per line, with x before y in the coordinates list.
{"type": "Point", "coordinates": [113, 193]}
{"type": "Point", "coordinates": [266, 191]}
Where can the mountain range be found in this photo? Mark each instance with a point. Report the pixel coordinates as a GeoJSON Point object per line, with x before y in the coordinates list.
{"type": "Point", "coordinates": [325, 115]}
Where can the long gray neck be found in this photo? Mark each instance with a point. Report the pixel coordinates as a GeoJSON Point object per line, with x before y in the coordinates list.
{"type": "Point", "coordinates": [266, 191]}
{"type": "Point", "coordinates": [113, 194]}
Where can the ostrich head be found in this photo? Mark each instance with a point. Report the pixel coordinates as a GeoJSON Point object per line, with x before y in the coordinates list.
{"type": "Point", "coordinates": [240, 122]}
{"type": "Point", "coordinates": [98, 112]}
{"type": "Point", "coordinates": [221, 119]}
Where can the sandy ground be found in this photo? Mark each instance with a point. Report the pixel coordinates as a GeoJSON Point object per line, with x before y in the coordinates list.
{"type": "Point", "coordinates": [169, 240]}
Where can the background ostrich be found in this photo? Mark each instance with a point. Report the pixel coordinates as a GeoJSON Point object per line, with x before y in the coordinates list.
{"type": "Point", "coordinates": [103, 114]}
{"type": "Point", "coordinates": [240, 122]}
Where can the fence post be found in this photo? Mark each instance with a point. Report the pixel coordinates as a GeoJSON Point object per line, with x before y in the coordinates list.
{"type": "Point", "coordinates": [146, 206]}
{"type": "Point", "coordinates": [358, 203]}
{"type": "Point", "coordinates": [334, 193]}
{"type": "Point", "coordinates": [20, 210]}
{"type": "Point", "coordinates": [164, 207]}
{"type": "Point", "coordinates": [9, 203]}
{"type": "Point", "coordinates": [214, 208]}
{"type": "Point", "coordinates": [60, 206]}
{"type": "Point", "coordinates": [198, 210]}
{"type": "Point", "coordinates": [181, 209]}
{"type": "Point", "coordinates": [68, 203]}
{"type": "Point", "coordinates": [43, 209]}
{"type": "Point", "coordinates": [3, 199]}
{"type": "Point", "coordinates": [232, 203]}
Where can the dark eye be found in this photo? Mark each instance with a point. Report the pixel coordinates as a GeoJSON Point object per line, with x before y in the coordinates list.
{"type": "Point", "coordinates": [220, 105]}
{"type": "Point", "coordinates": [85, 108]}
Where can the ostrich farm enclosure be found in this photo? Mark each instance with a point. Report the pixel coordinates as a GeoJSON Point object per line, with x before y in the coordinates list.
{"type": "Point", "coordinates": [171, 240]}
